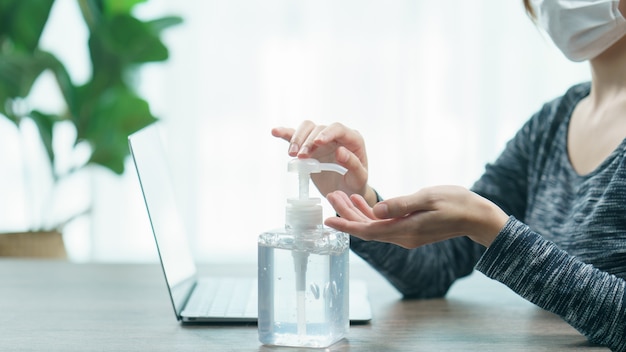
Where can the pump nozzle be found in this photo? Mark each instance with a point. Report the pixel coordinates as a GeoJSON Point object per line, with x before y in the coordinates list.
{"type": "Point", "coordinates": [312, 166]}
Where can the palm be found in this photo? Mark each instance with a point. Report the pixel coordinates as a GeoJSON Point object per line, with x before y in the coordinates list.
{"type": "Point", "coordinates": [344, 142]}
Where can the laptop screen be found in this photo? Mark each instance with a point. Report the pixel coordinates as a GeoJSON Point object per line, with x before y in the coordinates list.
{"type": "Point", "coordinates": [149, 154]}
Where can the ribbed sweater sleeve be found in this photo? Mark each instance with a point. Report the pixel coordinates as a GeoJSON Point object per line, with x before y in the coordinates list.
{"type": "Point", "coordinates": [590, 300]}
{"type": "Point", "coordinates": [424, 272]}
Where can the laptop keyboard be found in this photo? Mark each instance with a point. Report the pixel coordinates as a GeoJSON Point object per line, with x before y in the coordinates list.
{"type": "Point", "coordinates": [223, 297]}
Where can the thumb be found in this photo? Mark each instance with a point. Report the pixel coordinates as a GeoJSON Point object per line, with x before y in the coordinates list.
{"type": "Point", "coordinates": [399, 206]}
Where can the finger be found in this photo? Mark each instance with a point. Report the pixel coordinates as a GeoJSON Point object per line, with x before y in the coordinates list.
{"type": "Point", "coordinates": [357, 175]}
{"type": "Point", "coordinates": [345, 208]}
{"type": "Point", "coordinates": [396, 230]}
{"type": "Point", "coordinates": [355, 228]}
{"type": "Point", "coordinates": [284, 133]}
{"type": "Point", "coordinates": [287, 135]}
{"type": "Point", "coordinates": [349, 138]}
{"type": "Point", "coordinates": [308, 147]}
{"type": "Point", "coordinates": [402, 206]}
{"type": "Point", "coordinates": [378, 230]}
{"type": "Point", "coordinates": [299, 136]}
{"type": "Point", "coordinates": [361, 204]}
{"type": "Point", "coordinates": [336, 223]}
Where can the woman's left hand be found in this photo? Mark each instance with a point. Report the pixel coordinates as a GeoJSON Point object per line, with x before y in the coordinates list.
{"type": "Point", "coordinates": [430, 215]}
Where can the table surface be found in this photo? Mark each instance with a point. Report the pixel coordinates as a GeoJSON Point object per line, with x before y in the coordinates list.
{"type": "Point", "coordinates": [61, 306]}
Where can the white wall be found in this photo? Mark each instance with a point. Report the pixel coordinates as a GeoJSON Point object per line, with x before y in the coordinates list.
{"type": "Point", "coordinates": [435, 87]}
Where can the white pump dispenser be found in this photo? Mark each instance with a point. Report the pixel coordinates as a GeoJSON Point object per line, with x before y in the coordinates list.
{"type": "Point", "coordinates": [305, 212]}
{"type": "Point", "coordinates": [301, 214]}
{"type": "Point", "coordinates": [316, 314]}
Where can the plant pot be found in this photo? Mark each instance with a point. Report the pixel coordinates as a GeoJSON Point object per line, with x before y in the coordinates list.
{"type": "Point", "coordinates": [33, 244]}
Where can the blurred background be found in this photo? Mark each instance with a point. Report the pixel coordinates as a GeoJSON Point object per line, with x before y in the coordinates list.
{"type": "Point", "coordinates": [435, 87]}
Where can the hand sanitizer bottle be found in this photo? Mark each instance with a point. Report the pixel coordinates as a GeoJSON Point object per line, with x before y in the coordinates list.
{"type": "Point", "coordinates": [303, 272]}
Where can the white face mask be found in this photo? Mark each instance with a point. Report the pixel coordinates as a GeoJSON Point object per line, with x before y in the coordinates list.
{"type": "Point", "coordinates": [582, 29]}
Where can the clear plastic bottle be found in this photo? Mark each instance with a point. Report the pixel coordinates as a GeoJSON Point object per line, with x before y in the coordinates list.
{"type": "Point", "coordinates": [304, 273]}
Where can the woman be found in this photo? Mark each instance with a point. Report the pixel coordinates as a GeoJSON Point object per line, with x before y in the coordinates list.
{"type": "Point", "coordinates": [547, 218]}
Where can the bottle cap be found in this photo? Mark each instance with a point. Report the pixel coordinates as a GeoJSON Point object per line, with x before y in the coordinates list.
{"type": "Point", "coordinates": [305, 212]}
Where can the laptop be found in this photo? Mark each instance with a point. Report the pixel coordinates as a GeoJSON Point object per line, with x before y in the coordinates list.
{"type": "Point", "coordinates": [199, 299]}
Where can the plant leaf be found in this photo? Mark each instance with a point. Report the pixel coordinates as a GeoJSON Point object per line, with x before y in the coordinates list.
{"type": "Point", "coordinates": [23, 21]}
{"type": "Point", "coordinates": [118, 113]}
{"type": "Point", "coordinates": [18, 71]}
{"type": "Point", "coordinates": [7, 8]}
{"type": "Point", "coordinates": [120, 6]}
{"type": "Point", "coordinates": [64, 82]}
{"type": "Point", "coordinates": [45, 124]}
{"type": "Point", "coordinates": [131, 40]}
{"type": "Point", "coordinates": [160, 24]}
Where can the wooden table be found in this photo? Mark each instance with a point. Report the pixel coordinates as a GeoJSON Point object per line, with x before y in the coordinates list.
{"type": "Point", "coordinates": [60, 306]}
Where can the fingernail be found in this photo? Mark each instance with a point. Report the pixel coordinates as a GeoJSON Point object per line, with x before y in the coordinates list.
{"type": "Point", "coordinates": [304, 150]}
{"type": "Point", "coordinates": [293, 149]}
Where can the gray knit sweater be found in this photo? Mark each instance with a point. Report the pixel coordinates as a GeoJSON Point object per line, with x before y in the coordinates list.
{"type": "Point", "coordinates": [564, 246]}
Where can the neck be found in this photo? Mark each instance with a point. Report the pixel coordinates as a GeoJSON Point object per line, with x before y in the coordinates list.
{"type": "Point", "coordinates": [608, 74]}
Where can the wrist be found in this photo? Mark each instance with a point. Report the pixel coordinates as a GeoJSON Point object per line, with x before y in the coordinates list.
{"type": "Point", "coordinates": [490, 222]}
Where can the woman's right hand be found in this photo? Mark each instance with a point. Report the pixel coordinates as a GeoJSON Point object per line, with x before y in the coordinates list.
{"type": "Point", "coordinates": [334, 143]}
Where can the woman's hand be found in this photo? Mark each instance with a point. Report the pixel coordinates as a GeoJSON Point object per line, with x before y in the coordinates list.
{"type": "Point", "coordinates": [430, 215]}
{"type": "Point", "coordinates": [334, 143]}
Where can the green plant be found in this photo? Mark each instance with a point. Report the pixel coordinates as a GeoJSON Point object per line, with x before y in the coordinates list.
{"type": "Point", "coordinates": [106, 108]}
